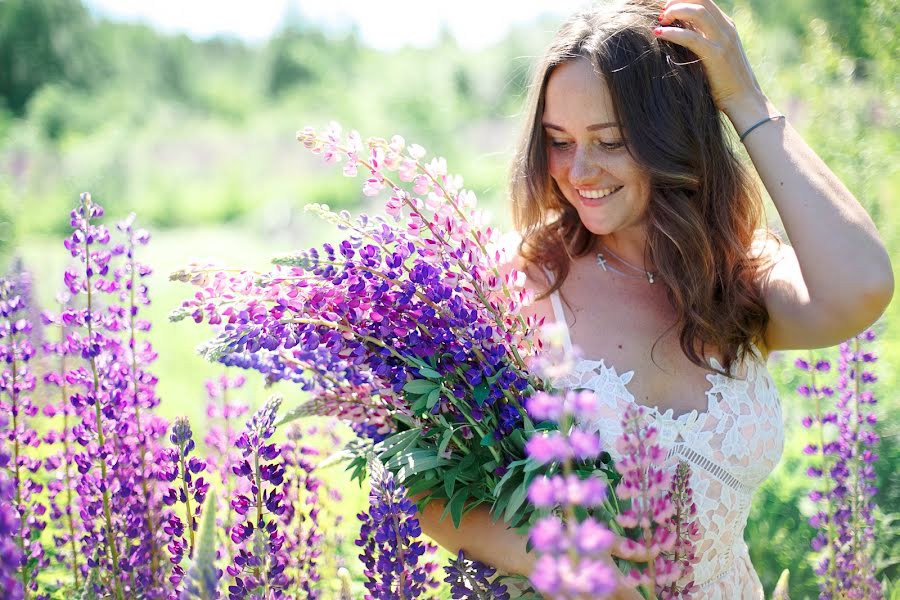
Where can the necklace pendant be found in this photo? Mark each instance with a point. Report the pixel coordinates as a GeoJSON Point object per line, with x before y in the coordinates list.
{"type": "Point", "coordinates": [601, 260]}
{"type": "Point", "coordinates": [649, 276]}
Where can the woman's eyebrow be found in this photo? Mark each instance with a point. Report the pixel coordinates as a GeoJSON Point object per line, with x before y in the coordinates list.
{"type": "Point", "coordinates": [593, 127]}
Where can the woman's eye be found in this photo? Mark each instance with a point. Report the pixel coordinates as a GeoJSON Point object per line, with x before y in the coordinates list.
{"type": "Point", "coordinates": [610, 145]}
{"type": "Point", "coordinates": [559, 143]}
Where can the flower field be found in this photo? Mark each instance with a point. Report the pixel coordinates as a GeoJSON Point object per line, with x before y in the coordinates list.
{"type": "Point", "coordinates": [104, 496]}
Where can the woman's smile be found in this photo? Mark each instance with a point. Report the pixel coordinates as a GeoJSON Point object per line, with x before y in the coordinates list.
{"type": "Point", "coordinates": [598, 197]}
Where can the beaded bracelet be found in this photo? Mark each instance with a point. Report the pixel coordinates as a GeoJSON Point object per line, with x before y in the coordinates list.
{"type": "Point", "coordinates": [764, 121]}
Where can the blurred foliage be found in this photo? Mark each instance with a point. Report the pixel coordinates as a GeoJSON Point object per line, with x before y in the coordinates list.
{"type": "Point", "coordinates": [199, 135]}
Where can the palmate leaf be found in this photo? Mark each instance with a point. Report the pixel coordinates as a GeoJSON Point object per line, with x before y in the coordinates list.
{"type": "Point", "coordinates": [201, 579]}
{"type": "Point", "coordinates": [414, 462]}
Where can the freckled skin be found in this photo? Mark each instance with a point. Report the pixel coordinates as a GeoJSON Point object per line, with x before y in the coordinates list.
{"type": "Point", "coordinates": [585, 156]}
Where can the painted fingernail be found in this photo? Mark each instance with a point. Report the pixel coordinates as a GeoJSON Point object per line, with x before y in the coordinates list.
{"type": "Point", "coordinates": [658, 31]}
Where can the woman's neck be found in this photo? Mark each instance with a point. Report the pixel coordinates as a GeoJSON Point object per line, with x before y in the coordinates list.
{"type": "Point", "coordinates": [630, 245]}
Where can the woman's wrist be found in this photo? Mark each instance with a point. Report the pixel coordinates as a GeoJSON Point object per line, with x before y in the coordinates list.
{"type": "Point", "coordinates": [746, 111]}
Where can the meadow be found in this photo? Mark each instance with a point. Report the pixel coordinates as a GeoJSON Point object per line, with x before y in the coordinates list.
{"type": "Point", "coordinates": [197, 138]}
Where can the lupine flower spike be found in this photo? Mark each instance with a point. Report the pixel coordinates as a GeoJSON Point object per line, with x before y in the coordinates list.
{"type": "Point", "coordinates": [10, 553]}
{"type": "Point", "coordinates": [258, 569]}
{"type": "Point", "coordinates": [646, 483]}
{"type": "Point", "coordinates": [189, 490]}
{"type": "Point", "coordinates": [570, 562]}
{"type": "Point", "coordinates": [392, 553]}
{"type": "Point", "coordinates": [472, 580]}
{"type": "Point", "coordinates": [17, 382]}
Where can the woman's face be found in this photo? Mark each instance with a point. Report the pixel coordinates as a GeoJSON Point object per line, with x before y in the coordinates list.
{"type": "Point", "coordinates": [586, 151]}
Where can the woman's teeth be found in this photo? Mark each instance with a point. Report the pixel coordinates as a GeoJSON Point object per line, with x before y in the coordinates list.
{"type": "Point", "coordinates": [594, 194]}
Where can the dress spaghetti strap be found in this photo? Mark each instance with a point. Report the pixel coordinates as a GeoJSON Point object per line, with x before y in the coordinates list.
{"type": "Point", "coordinates": [560, 318]}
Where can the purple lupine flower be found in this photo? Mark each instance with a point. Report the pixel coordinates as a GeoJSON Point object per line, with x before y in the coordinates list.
{"type": "Point", "coordinates": [472, 580]}
{"type": "Point", "coordinates": [16, 384]}
{"type": "Point", "coordinates": [392, 553]}
{"type": "Point", "coordinates": [570, 551]}
{"type": "Point", "coordinates": [189, 490]}
{"type": "Point", "coordinates": [304, 535]}
{"type": "Point", "coordinates": [683, 525]}
{"type": "Point", "coordinates": [112, 508]}
{"type": "Point", "coordinates": [853, 472]}
{"type": "Point", "coordinates": [60, 466]}
{"type": "Point", "coordinates": [10, 552]}
{"type": "Point", "coordinates": [259, 568]}
{"type": "Point", "coordinates": [410, 314]}
{"type": "Point", "coordinates": [222, 412]}
{"type": "Point", "coordinates": [824, 540]}
{"type": "Point", "coordinates": [646, 482]}
{"type": "Point", "coordinates": [145, 428]}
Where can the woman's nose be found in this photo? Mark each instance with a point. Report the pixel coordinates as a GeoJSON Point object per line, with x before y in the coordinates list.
{"type": "Point", "coordinates": [585, 167]}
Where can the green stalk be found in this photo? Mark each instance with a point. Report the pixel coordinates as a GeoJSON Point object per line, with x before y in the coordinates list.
{"type": "Point", "coordinates": [189, 514]}
{"type": "Point", "coordinates": [259, 519]}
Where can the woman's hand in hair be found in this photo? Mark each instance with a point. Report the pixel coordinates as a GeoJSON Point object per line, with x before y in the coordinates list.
{"type": "Point", "coordinates": [702, 27]}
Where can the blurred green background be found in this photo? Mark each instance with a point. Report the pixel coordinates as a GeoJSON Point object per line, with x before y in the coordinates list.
{"type": "Point", "coordinates": [197, 137]}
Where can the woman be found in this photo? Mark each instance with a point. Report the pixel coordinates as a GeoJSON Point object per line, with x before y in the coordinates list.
{"type": "Point", "coordinates": [636, 211]}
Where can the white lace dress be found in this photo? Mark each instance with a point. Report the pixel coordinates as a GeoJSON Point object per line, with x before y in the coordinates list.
{"type": "Point", "coordinates": [731, 447]}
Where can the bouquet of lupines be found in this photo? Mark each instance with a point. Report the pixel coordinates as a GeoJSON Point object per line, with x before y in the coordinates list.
{"type": "Point", "coordinates": [406, 328]}
{"type": "Point", "coordinates": [409, 329]}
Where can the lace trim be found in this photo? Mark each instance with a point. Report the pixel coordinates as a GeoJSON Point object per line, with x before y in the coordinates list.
{"type": "Point", "coordinates": [717, 471]}
{"type": "Point", "coordinates": [727, 557]}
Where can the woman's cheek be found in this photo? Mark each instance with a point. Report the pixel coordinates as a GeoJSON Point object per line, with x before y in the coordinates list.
{"type": "Point", "coordinates": [557, 165]}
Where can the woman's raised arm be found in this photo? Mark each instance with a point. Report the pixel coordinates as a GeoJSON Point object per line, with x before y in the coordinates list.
{"type": "Point", "coordinates": [836, 279]}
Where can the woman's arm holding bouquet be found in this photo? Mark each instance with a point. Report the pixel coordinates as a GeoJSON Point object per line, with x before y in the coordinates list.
{"type": "Point", "coordinates": [836, 279]}
{"type": "Point", "coordinates": [483, 539]}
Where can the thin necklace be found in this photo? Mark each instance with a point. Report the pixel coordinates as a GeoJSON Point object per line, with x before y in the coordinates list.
{"type": "Point", "coordinates": [604, 264]}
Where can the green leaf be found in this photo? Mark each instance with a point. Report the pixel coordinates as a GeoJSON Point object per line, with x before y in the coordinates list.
{"type": "Point", "coordinates": [511, 470]}
{"type": "Point", "coordinates": [429, 373]}
{"type": "Point", "coordinates": [202, 570]}
{"type": "Point", "coordinates": [433, 398]}
{"type": "Point", "coordinates": [419, 386]}
{"type": "Point", "coordinates": [488, 439]}
{"type": "Point", "coordinates": [481, 392]}
{"type": "Point", "coordinates": [532, 465]}
{"type": "Point", "coordinates": [445, 441]}
{"type": "Point", "coordinates": [450, 481]}
{"type": "Point", "coordinates": [456, 505]}
{"type": "Point", "coordinates": [418, 407]}
{"type": "Point", "coordinates": [397, 443]}
{"type": "Point", "coordinates": [413, 462]}
{"type": "Point", "coordinates": [493, 378]}
{"type": "Point", "coordinates": [516, 499]}
{"type": "Point", "coordinates": [498, 507]}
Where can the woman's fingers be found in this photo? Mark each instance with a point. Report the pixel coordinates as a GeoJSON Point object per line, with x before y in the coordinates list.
{"type": "Point", "coordinates": [629, 550]}
{"type": "Point", "coordinates": [691, 40]}
{"type": "Point", "coordinates": [696, 17]}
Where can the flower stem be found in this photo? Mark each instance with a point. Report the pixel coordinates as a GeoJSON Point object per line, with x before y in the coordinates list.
{"type": "Point", "coordinates": [66, 458]}
{"type": "Point", "coordinates": [107, 512]}
{"type": "Point", "coordinates": [142, 448]}
{"type": "Point", "coordinates": [826, 499]}
{"type": "Point", "coordinates": [20, 507]}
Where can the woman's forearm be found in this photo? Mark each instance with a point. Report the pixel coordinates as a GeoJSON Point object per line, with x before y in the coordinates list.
{"type": "Point", "coordinates": [488, 541]}
{"type": "Point", "coordinates": [479, 537]}
{"type": "Point", "coordinates": [844, 263]}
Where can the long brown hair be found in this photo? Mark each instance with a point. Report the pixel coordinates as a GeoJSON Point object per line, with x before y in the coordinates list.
{"type": "Point", "coordinates": [704, 209]}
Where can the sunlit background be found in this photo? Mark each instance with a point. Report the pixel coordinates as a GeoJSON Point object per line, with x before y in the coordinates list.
{"type": "Point", "coordinates": [185, 113]}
